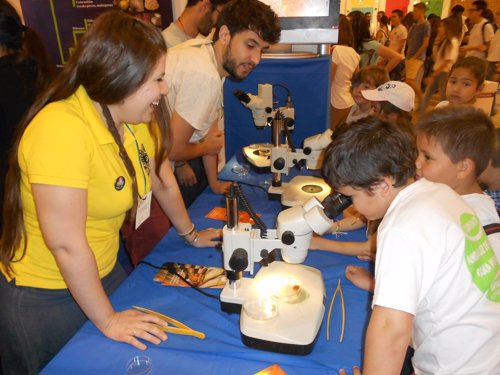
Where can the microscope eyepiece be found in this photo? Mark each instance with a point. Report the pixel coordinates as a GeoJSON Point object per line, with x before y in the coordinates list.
{"type": "Point", "coordinates": [335, 203]}
{"type": "Point", "coordinates": [242, 96]}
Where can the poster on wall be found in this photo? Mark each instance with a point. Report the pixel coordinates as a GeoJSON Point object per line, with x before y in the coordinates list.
{"type": "Point", "coordinates": [61, 23]}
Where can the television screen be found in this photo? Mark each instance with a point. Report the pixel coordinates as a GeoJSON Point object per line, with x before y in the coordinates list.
{"type": "Point", "coordinates": [307, 21]}
{"type": "Point", "coordinates": [300, 8]}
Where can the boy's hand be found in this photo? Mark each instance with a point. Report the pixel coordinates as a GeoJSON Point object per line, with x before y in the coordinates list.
{"type": "Point", "coordinates": [368, 254]}
{"type": "Point", "coordinates": [186, 175]}
{"type": "Point", "coordinates": [315, 242]}
{"type": "Point", "coordinates": [220, 187]}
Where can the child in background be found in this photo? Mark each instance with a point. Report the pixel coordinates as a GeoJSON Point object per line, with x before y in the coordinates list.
{"type": "Point", "coordinates": [465, 81]}
{"type": "Point", "coordinates": [444, 54]}
{"type": "Point", "coordinates": [491, 175]}
{"type": "Point", "coordinates": [395, 101]}
{"type": "Point", "coordinates": [367, 78]}
{"type": "Point", "coordinates": [427, 290]}
{"type": "Point", "coordinates": [455, 145]}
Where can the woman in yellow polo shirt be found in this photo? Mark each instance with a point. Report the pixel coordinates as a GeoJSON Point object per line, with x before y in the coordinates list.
{"type": "Point", "coordinates": [80, 167]}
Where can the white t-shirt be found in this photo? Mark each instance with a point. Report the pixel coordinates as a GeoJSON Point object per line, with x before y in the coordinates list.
{"type": "Point", "coordinates": [347, 60]}
{"type": "Point", "coordinates": [450, 53]}
{"type": "Point", "coordinates": [494, 51]}
{"type": "Point", "coordinates": [444, 103]}
{"type": "Point", "coordinates": [398, 34]}
{"type": "Point", "coordinates": [484, 207]}
{"type": "Point", "coordinates": [173, 35]}
{"type": "Point", "coordinates": [476, 38]}
{"type": "Point", "coordinates": [434, 261]}
{"type": "Point", "coordinates": [385, 35]}
{"type": "Point", "coordinates": [194, 85]}
{"type": "Point", "coordinates": [464, 29]}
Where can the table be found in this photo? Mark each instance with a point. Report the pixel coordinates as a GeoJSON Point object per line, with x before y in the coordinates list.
{"type": "Point", "coordinates": [222, 352]}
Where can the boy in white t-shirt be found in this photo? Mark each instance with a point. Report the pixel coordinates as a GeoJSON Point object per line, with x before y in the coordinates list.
{"type": "Point", "coordinates": [455, 146]}
{"type": "Point", "coordinates": [394, 101]}
{"type": "Point", "coordinates": [437, 277]}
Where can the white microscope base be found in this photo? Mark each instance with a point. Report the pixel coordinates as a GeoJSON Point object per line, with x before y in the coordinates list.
{"type": "Point", "coordinates": [295, 327]}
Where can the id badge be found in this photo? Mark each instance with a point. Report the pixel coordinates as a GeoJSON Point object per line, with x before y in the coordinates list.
{"type": "Point", "coordinates": [143, 209]}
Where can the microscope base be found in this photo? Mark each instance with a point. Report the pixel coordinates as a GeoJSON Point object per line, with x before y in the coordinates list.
{"type": "Point", "coordinates": [282, 308]}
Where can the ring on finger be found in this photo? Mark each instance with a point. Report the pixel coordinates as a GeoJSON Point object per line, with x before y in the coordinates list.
{"type": "Point", "coordinates": [134, 333]}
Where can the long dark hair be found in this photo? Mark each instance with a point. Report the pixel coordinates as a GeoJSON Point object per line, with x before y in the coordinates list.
{"type": "Point", "coordinates": [26, 45]}
{"type": "Point", "coordinates": [112, 60]}
{"type": "Point", "coordinates": [346, 37]}
{"type": "Point", "coordinates": [452, 29]}
{"type": "Point", "coordinates": [360, 30]}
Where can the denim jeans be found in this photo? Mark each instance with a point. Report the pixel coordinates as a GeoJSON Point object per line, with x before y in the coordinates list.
{"type": "Point", "coordinates": [439, 83]}
{"type": "Point", "coordinates": [35, 323]}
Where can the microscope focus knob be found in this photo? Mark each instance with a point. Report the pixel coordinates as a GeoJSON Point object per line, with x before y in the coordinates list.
{"type": "Point", "coordinates": [307, 150]}
{"type": "Point", "coordinates": [239, 260]}
{"type": "Point", "coordinates": [279, 164]}
{"type": "Point", "coordinates": [288, 238]}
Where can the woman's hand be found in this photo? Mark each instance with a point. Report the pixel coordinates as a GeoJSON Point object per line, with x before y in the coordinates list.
{"type": "Point", "coordinates": [355, 371]}
{"type": "Point", "coordinates": [209, 237]}
{"type": "Point", "coordinates": [129, 326]}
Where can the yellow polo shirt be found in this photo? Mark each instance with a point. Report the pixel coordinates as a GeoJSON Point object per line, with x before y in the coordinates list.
{"type": "Point", "coordinates": [68, 144]}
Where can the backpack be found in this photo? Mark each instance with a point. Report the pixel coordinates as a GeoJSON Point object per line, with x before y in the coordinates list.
{"type": "Point", "coordinates": [386, 44]}
{"type": "Point", "coordinates": [495, 28]}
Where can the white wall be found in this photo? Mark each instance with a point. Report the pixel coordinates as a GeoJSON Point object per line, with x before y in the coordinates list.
{"type": "Point", "coordinates": [177, 7]}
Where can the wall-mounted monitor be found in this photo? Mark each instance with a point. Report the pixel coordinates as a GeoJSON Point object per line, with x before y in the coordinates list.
{"type": "Point", "coordinates": [307, 21]}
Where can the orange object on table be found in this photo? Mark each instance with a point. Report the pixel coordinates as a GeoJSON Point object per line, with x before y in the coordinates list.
{"type": "Point", "coordinates": [220, 213]}
{"type": "Point", "coordinates": [271, 370]}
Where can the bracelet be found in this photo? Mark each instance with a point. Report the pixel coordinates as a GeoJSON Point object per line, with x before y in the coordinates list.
{"type": "Point", "coordinates": [187, 233]}
{"type": "Point", "coordinates": [179, 164]}
{"type": "Point", "coordinates": [336, 230]}
{"type": "Point", "coordinates": [193, 241]}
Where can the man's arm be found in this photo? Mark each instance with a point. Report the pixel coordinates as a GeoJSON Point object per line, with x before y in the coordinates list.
{"type": "Point", "coordinates": [401, 43]}
{"type": "Point", "coordinates": [210, 165]}
{"type": "Point", "coordinates": [387, 338]}
{"type": "Point", "coordinates": [181, 134]}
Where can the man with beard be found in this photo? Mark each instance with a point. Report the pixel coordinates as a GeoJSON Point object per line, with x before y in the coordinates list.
{"type": "Point", "coordinates": [195, 71]}
{"type": "Point", "coordinates": [197, 20]}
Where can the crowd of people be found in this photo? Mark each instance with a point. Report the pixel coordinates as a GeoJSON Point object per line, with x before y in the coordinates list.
{"type": "Point", "coordinates": [416, 48]}
{"type": "Point", "coordinates": [132, 123]}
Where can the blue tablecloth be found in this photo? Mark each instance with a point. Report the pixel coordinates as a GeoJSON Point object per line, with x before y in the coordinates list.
{"type": "Point", "coordinates": [222, 352]}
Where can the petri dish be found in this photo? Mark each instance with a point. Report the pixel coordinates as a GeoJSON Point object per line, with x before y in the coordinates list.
{"type": "Point", "coordinates": [241, 170]}
{"type": "Point", "coordinates": [139, 365]}
{"type": "Point", "coordinates": [261, 308]}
